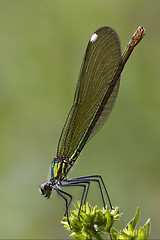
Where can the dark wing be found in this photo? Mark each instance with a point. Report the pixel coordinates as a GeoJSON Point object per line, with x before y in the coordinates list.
{"type": "Point", "coordinates": [100, 61]}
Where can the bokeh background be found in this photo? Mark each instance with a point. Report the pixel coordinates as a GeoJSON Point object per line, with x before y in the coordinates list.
{"type": "Point", "coordinates": [42, 44]}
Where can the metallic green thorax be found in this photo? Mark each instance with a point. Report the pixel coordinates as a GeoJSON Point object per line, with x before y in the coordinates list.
{"type": "Point", "coordinates": [60, 168]}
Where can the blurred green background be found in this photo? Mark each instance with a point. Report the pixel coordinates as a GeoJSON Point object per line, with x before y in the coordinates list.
{"type": "Point", "coordinates": [42, 44]}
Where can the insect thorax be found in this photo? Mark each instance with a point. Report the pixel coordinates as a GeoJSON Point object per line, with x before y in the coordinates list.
{"type": "Point", "coordinates": [60, 168]}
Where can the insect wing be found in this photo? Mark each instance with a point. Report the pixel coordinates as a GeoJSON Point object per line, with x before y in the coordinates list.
{"type": "Point", "coordinates": [100, 61]}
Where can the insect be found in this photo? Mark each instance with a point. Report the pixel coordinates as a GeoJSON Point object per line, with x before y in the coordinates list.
{"type": "Point", "coordinates": [94, 99]}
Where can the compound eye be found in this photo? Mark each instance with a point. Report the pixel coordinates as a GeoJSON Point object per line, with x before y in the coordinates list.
{"type": "Point", "coordinates": [46, 190]}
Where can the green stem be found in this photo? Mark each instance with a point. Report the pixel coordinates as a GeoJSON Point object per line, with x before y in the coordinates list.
{"type": "Point", "coordinates": [95, 234]}
{"type": "Point", "coordinates": [110, 236]}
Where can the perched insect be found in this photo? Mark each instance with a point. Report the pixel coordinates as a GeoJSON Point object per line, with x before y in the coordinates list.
{"type": "Point", "coordinates": [94, 99]}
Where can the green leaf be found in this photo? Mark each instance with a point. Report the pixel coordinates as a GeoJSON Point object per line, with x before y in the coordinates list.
{"type": "Point", "coordinates": [144, 231]}
{"type": "Point", "coordinates": [134, 221]}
